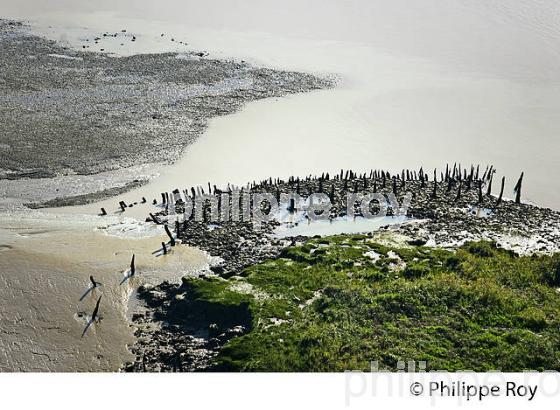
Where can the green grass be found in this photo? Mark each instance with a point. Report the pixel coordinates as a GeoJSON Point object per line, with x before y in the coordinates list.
{"type": "Point", "coordinates": [478, 308]}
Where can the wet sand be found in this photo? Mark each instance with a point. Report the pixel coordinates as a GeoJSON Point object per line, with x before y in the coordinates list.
{"type": "Point", "coordinates": [46, 263]}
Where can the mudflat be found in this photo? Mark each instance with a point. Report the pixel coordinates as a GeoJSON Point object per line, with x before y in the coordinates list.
{"type": "Point", "coordinates": [67, 112]}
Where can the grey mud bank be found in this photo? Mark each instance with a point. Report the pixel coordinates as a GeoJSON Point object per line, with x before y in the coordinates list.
{"type": "Point", "coordinates": [79, 124]}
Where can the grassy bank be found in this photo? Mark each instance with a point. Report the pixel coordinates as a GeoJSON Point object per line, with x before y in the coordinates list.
{"type": "Point", "coordinates": [338, 303]}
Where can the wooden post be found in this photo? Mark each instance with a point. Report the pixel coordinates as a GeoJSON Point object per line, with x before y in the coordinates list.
{"type": "Point", "coordinates": [469, 178]}
{"type": "Point", "coordinates": [517, 189]}
{"type": "Point", "coordinates": [171, 239]}
{"type": "Point", "coordinates": [292, 206]}
{"type": "Point", "coordinates": [489, 190]}
{"type": "Point", "coordinates": [450, 183]}
{"type": "Point", "coordinates": [103, 211]}
{"type": "Point", "coordinates": [164, 247]}
{"type": "Point", "coordinates": [479, 192]}
{"type": "Point", "coordinates": [501, 191]}
{"type": "Point", "coordinates": [434, 193]}
{"type": "Point", "coordinates": [459, 191]}
{"type": "Point", "coordinates": [132, 266]}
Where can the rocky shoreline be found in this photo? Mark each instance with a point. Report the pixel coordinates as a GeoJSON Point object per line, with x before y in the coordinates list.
{"type": "Point", "coordinates": [175, 333]}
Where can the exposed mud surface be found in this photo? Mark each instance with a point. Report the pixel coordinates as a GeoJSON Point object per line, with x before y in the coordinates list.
{"type": "Point", "coordinates": [67, 112]}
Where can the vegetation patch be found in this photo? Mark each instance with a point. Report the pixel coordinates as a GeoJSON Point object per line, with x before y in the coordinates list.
{"type": "Point", "coordinates": [332, 307]}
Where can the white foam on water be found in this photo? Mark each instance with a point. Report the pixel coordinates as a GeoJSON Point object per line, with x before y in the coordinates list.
{"type": "Point", "coordinates": [131, 228]}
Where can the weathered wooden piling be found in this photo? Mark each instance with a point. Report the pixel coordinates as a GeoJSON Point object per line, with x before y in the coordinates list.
{"type": "Point", "coordinates": [485, 173]}
{"type": "Point", "coordinates": [292, 206]}
{"type": "Point", "coordinates": [132, 266]}
{"type": "Point", "coordinates": [103, 212]}
{"type": "Point", "coordinates": [422, 179]}
{"type": "Point", "coordinates": [501, 191]}
{"type": "Point", "coordinates": [470, 179]}
{"type": "Point", "coordinates": [164, 247]}
{"type": "Point", "coordinates": [122, 205]}
{"type": "Point", "coordinates": [434, 193]}
{"type": "Point", "coordinates": [171, 238]}
{"type": "Point", "coordinates": [331, 194]}
{"type": "Point", "coordinates": [459, 191]}
{"type": "Point", "coordinates": [517, 189]}
{"type": "Point", "coordinates": [489, 189]}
